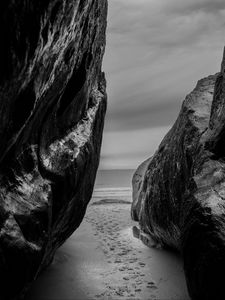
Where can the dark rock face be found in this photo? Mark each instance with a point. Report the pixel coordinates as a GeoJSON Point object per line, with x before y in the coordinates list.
{"type": "Point", "coordinates": [52, 107]}
{"type": "Point", "coordinates": [181, 199]}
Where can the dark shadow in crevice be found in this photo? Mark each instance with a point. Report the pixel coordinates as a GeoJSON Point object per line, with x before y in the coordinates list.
{"type": "Point", "coordinates": [55, 12]}
{"type": "Point", "coordinates": [74, 85]}
{"type": "Point", "coordinates": [24, 104]}
{"type": "Point", "coordinates": [69, 53]}
{"type": "Point", "coordinates": [45, 33]}
{"type": "Point", "coordinates": [217, 147]}
{"type": "Point", "coordinates": [33, 226]}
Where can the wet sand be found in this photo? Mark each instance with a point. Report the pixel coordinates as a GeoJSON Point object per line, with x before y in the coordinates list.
{"type": "Point", "coordinates": [102, 260]}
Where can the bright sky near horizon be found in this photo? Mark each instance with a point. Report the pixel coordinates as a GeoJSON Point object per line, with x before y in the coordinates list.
{"type": "Point", "coordinates": [156, 51]}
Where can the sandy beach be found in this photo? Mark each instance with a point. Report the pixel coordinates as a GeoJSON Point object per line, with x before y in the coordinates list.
{"type": "Point", "coordinates": [102, 260]}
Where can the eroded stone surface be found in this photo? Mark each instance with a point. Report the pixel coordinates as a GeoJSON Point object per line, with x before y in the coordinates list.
{"type": "Point", "coordinates": [52, 107]}
{"type": "Point", "coordinates": [181, 201]}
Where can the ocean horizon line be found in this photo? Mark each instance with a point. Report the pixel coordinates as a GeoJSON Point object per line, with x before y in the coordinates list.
{"type": "Point", "coordinates": [117, 169]}
{"type": "Point", "coordinates": [99, 189]}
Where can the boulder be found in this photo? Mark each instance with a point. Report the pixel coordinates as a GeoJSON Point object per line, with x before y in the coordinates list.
{"type": "Point", "coordinates": [52, 107]}
{"type": "Point", "coordinates": [181, 202]}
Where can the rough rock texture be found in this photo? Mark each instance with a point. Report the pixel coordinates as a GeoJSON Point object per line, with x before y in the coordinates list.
{"type": "Point", "coordinates": [52, 107]}
{"type": "Point", "coordinates": [181, 202]}
{"type": "Point", "coordinates": [137, 184]}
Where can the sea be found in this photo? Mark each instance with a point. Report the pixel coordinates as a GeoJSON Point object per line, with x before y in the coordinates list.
{"type": "Point", "coordinates": [113, 184]}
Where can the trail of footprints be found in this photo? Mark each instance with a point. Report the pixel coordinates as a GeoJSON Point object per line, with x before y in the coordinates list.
{"type": "Point", "coordinates": [127, 278]}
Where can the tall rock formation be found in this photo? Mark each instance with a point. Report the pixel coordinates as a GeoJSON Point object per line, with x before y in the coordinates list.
{"type": "Point", "coordinates": [52, 107]}
{"type": "Point", "coordinates": [180, 201]}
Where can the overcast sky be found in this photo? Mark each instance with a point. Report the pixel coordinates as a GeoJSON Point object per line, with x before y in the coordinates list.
{"type": "Point", "coordinates": [156, 51]}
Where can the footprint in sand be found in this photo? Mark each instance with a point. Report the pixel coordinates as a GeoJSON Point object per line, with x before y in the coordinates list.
{"type": "Point", "coordinates": [141, 264]}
